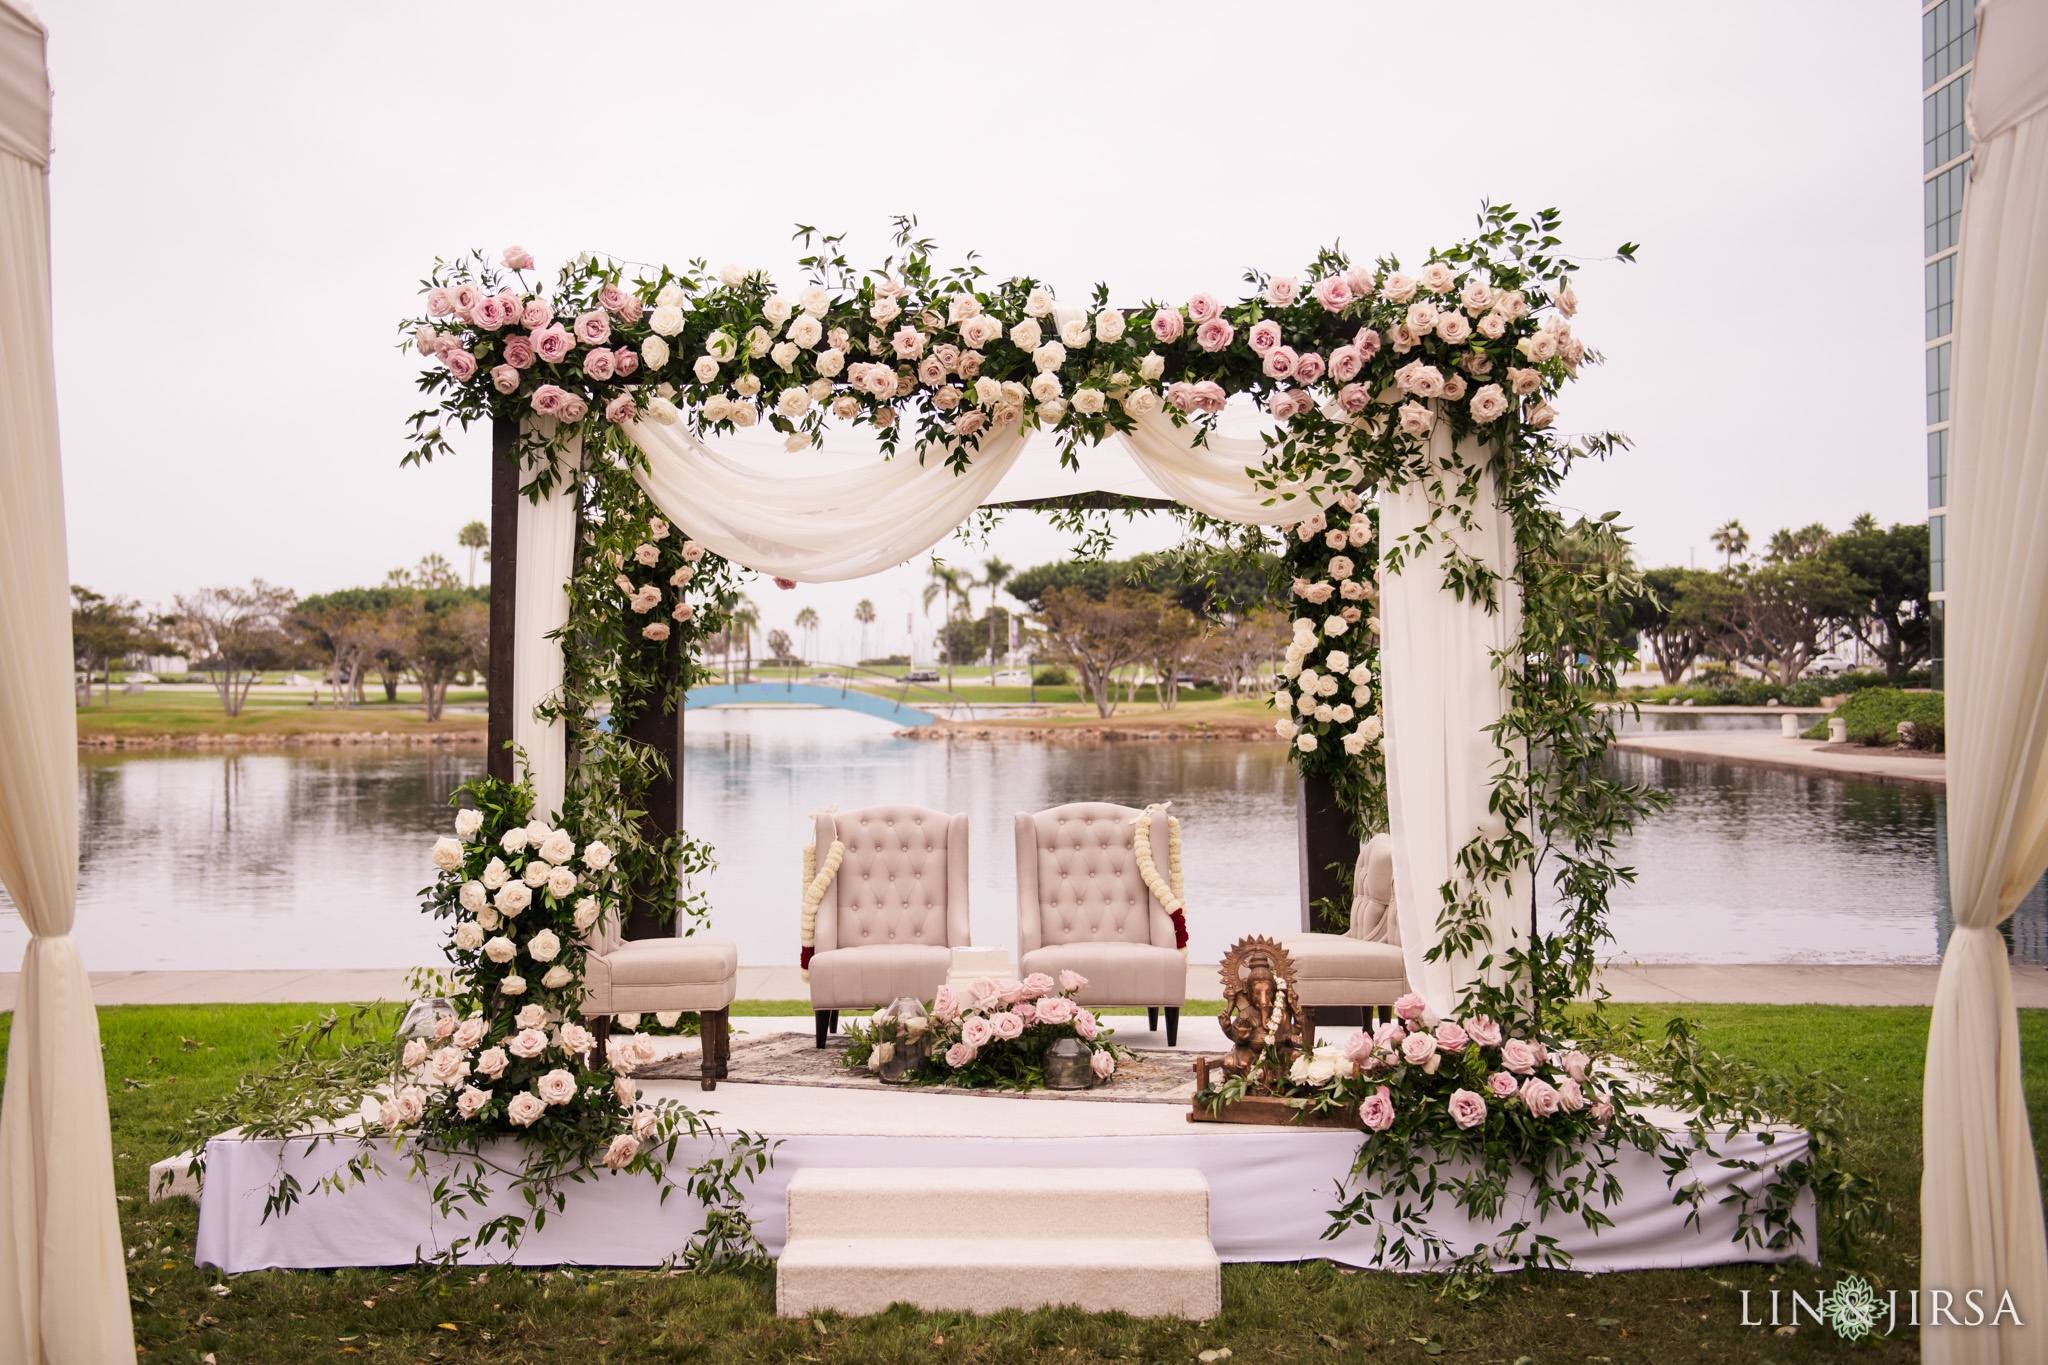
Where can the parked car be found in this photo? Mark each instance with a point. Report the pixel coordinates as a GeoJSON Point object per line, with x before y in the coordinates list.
{"type": "Point", "coordinates": [1013, 677]}
{"type": "Point", "coordinates": [920, 675]}
{"type": "Point", "coordinates": [1826, 666]}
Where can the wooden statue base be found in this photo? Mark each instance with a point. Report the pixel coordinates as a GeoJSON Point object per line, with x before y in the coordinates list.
{"type": "Point", "coordinates": [1266, 1109]}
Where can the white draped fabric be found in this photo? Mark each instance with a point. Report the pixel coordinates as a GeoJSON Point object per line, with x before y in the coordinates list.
{"type": "Point", "coordinates": [1439, 693]}
{"type": "Point", "coordinates": [540, 606]}
{"type": "Point", "coordinates": [1215, 478]}
{"type": "Point", "coordinates": [63, 1287]}
{"type": "Point", "coordinates": [1980, 1196]}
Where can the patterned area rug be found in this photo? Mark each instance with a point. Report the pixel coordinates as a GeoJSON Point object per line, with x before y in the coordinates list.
{"type": "Point", "coordinates": [1153, 1077]}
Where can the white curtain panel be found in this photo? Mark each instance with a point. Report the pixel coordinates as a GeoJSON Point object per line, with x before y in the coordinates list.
{"type": "Point", "coordinates": [1980, 1198]}
{"type": "Point", "coordinates": [1439, 693]}
{"type": "Point", "coordinates": [540, 606]}
{"type": "Point", "coordinates": [63, 1288]}
{"type": "Point", "coordinates": [1215, 477]}
{"type": "Point", "coordinates": [815, 519]}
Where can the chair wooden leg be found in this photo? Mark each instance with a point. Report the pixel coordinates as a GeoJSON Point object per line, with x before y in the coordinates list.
{"type": "Point", "coordinates": [835, 1021]}
{"type": "Point", "coordinates": [713, 1026]}
{"type": "Point", "coordinates": [601, 1029]}
{"type": "Point", "coordinates": [823, 1019]}
{"type": "Point", "coordinates": [1152, 1018]}
{"type": "Point", "coordinates": [1308, 1026]}
{"type": "Point", "coordinates": [1173, 1025]}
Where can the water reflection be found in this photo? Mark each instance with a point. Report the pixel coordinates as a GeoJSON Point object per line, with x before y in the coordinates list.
{"type": "Point", "coordinates": [306, 861]}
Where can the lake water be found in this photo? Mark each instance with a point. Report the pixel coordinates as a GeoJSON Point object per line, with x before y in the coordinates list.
{"type": "Point", "coordinates": [278, 860]}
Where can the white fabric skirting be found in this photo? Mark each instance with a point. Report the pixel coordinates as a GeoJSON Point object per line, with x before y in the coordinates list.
{"type": "Point", "coordinates": [1270, 1197]}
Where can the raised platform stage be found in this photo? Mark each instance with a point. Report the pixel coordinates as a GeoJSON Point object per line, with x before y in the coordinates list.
{"type": "Point", "coordinates": [1271, 1189]}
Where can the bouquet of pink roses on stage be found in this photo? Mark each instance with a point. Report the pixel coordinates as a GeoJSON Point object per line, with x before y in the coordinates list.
{"type": "Point", "coordinates": [995, 1035]}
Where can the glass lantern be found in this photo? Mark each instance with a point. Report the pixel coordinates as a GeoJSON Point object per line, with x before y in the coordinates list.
{"type": "Point", "coordinates": [423, 1016]}
{"type": "Point", "coordinates": [1069, 1065]}
{"type": "Point", "coordinates": [907, 1052]}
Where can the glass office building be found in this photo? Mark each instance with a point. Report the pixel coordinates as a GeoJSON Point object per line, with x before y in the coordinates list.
{"type": "Point", "coordinates": [1948, 43]}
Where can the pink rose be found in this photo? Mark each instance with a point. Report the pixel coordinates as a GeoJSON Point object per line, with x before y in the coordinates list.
{"type": "Point", "coordinates": [621, 1152]}
{"type": "Point", "coordinates": [1518, 1057]}
{"type": "Point", "coordinates": [1360, 280]}
{"type": "Point", "coordinates": [1542, 1053]}
{"type": "Point", "coordinates": [1072, 981]}
{"type": "Point", "coordinates": [518, 258]}
{"type": "Point", "coordinates": [1377, 1112]}
{"type": "Point", "coordinates": [1209, 395]}
{"type": "Point", "coordinates": [1181, 395]}
{"type": "Point", "coordinates": [1055, 1009]}
{"type": "Point", "coordinates": [1570, 1097]}
{"type": "Point", "coordinates": [620, 410]}
{"type": "Point", "coordinates": [1453, 327]}
{"type": "Point", "coordinates": [552, 344]}
{"type": "Point", "coordinates": [1368, 343]}
{"type": "Point", "coordinates": [1389, 1034]}
{"type": "Point", "coordinates": [1084, 1023]}
{"type": "Point", "coordinates": [557, 1086]}
{"type": "Point", "coordinates": [1475, 297]}
{"type": "Point", "coordinates": [977, 1032]}
{"type": "Point", "coordinates": [488, 314]}
{"type": "Point", "coordinates": [1468, 1108]}
{"type": "Point", "coordinates": [1214, 334]}
{"type": "Point", "coordinates": [1308, 369]}
{"type": "Point", "coordinates": [467, 296]}
{"type": "Point", "coordinates": [1409, 1006]}
{"type": "Point", "coordinates": [1007, 1025]}
{"type": "Point", "coordinates": [1166, 324]}
{"type": "Point", "coordinates": [984, 993]}
{"type": "Point", "coordinates": [655, 630]}
{"type": "Point", "coordinates": [1603, 1110]}
{"type": "Point", "coordinates": [1353, 398]}
{"type": "Point", "coordinates": [959, 1055]}
{"type": "Point", "coordinates": [505, 379]}
{"type": "Point", "coordinates": [1424, 381]}
{"type": "Point", "coordinates": [1026, 1011]}
{"type": "Point", "coordinates": [528, 1042]}
{"type": "Point", "coordinates": [1333, 293]}
{"type": "Point", "coordinates": [611, 298]}
{"type": "Point", "coordinates": [1102, 1063]}
{"type": "Point", "coordinates": [531, 1016]}
{"type": "Point", "coordinates": [1035, 985]}
{"type": "Point", "coordinates": [946, 1004]}
{"type": "Point", "coordinates": [1279, 359]}
{"type": "Point", "coordinates": [1202, 308]}
{"type": "Point", "coordinates": [1282, 291]}
{"type": "Point", "coordinates": [1264, 335]}
{"type": "Point", "coordinates": [1488, 404]}
{"type": "Point", "coordinates": [1399, 288]}
{"type": "Point", "coordinates": [1450, 1037]}
{"type": "Point", "coordinates": [1416, 420]}
{"type": "Point", "coordinates": [548, 399]}
{"type": "Point", "coordinates": [969, 423]}
{"type": "Point", "coordinates": [1358, 1048]}
{"type": "Point", "coordinates": [460, 363]}
{"type": "Point", "coordinates": [931, 371]}
{"type": "Point", "coordinates": [518, 353]}
{"type": "Point", "coordinates": [1540, 416]}
{"type": "Point", "coordinates": [1575, 1064]}
{"type": "Point", "coordinates": [646, 600]}
{"type": "Point", "coordinates": [1540, 1097]}
{"type": "Point", "coordinates": [908, 342]}
{"type": "Point", "coordinates": [469, 1033]}
{"type": "Point", "coordinates": [440, 302]}
{"type": "Point", "coordinates": [1437, 277]}
{"type": "Point", "coordinates": [535, 315]}
{"type": "Point", "coordinates": [525, 1108]}
{"type": "Point", "coordinates": [593, 328]}
{"type": "Point", "coordinates": [1418, 1049]}
{"type": "Point", "coordinates": [599, 364]}
{"type": "Point", "coordinates": [624, 361]}
{"type": "Point", "coordinates": [1502, 1084]}
{"type": "Point", "coordinates": [1483, 1031]}
{"type": "Point", "coordinates": [683, 612]}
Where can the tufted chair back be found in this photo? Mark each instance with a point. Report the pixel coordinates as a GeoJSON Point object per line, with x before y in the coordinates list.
{"type": "Point", "coordinates": [902, 879]}
{"type": "Point", "coordinates": [1078, 880]}
{"type": "Point", "coordinates": [1372, 893]}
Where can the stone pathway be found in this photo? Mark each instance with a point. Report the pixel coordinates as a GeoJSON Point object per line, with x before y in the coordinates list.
{"type": "Point", "coordinates": [1647, 983]}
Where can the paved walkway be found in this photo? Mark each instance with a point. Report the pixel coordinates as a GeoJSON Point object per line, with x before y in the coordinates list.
{"type": "Point", "coordinates": [1760, 749]}
{"type": "Point", "coordinates": [1644, 983]}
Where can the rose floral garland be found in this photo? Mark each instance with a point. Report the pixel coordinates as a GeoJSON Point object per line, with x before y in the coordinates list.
{"type": "Point", "coordinates": [816, 879]}
{"type": "Point", "coordinates": [1168, 895]}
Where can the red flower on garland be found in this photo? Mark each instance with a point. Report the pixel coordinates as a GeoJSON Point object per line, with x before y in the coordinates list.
{"type": "Point", "coordinates": [1180, 928]}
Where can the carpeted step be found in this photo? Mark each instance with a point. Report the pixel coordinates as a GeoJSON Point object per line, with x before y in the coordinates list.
{"type": "Point", "coordinates": [979, 1240]}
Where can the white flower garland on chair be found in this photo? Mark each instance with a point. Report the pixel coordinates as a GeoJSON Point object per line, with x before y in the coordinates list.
{"type": "Point", "coordinates": [816, 879]}
{"type": "Point", "coordinates": [1169, 896]}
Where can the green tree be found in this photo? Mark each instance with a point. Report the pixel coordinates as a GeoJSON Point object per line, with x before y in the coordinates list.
{"type": "Point", "coordinates": [995, 573]}
{"type": "Point", "coordinates": [943, 579]}
{"type": "Point", "coordinates": [233, 633]}
{"type": "Point", "coordinates": [1098, 637]}
{"type": "Point", "coordinates": [782, 648]}
{"type": "Point", "coordinates": [1892, 613]}
{"type": "Point", "coordinates": [1176, 637]}
{"type": "Point", "coordinates": [1671, 614]}
{"type": "Point", "coordinates": [439, 635]}
{"type": "Point", "coordinates": [104, 629]}
{"type": "Point", "coordinates": [433, 571]}
{"type": "Point", "coordinates": [474, 537]}
{"type": "Point", "coordinates": [807, 622]}
{"type": "Point", "coordinates": [745, 618]}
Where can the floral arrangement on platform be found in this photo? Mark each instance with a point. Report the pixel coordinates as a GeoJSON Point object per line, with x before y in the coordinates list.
{"type": "Point", "coordinates": [994, 1035]}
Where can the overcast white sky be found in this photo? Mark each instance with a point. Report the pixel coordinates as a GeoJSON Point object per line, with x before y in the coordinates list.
{"type": "Point", "coordinates": [244, 197]}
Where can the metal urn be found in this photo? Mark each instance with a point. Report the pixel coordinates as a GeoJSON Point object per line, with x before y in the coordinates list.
{"type": "Point", "coordinates": [1069, 1065]}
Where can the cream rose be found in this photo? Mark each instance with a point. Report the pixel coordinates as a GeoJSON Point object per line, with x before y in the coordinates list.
{"type": "Point", "coordinates": [557, 977]}
{"type": "Point", "coordinates": [1074, 332]}
{"type": "Point", "coordinates": [544, 946]}
{"type": "Point", "coordinates": [447, 854]}
{"type": "Point", "coordinates": [596, 856]}
{"type": "Point", "coordinates": [1109, 325]}
{"type": "Point", "coordinates": [1026, 335]}
{"type": "Point", "coordinates": [473, 896]}
{"type": "Point", "coordinates": [536, 873]}
{"type": "Point", "coordinates": [469, 936]}
{"type": "Point", "coordinates": [1089, 401]}
{"type": "Point", "coordinates": [501, 950]}
{"type": "Point", "coordinates": [468, 822]}
{"type": "Point", "coordinates": [525, 1109]}
{"type": "Point", "coordinates": [492, 1062]}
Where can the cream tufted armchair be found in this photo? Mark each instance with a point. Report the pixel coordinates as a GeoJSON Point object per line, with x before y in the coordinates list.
{"type": "Point", "coordinates": [1082, 906]}
{"type": "Point", "coordinates": [1364, 965]}
{"type": "Point", "coordinates": [892, 916]}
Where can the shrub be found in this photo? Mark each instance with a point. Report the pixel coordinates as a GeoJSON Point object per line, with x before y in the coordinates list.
{"type": "Point", "coordinates": [1874, 714]}
{"type": "Point", "coordinates": [1052, 675]}
{"type": "Point", "coordinates": [1721, 688]}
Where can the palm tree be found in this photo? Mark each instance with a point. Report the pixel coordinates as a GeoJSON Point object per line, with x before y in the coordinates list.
{"type": "Point", "coordinates": [864, 612]}
{"type": "Point", "coordinates": [995, 573]}
{"type": "Point", "coordinates": [943, 579]}
{"type": "Point", "coordinates": [474, 537]}
{"type": "Point", "coordinates": [1731, 540]}
{"type": "Point", "coordinates": [807, 622]}
{"type": "Point", "coordinates": [745, 616]}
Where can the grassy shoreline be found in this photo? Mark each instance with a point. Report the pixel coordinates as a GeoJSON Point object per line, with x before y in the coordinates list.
{"type": "Point", "coordinates": [163, 1060]}
{"type": "Point", "coordinates": [195, 713]}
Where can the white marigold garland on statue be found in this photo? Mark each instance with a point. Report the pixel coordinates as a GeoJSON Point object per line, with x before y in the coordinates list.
{"type": "Point", "coordinates": [1169, 896]}
{"type": "Point", "coordinates": [816, 879]}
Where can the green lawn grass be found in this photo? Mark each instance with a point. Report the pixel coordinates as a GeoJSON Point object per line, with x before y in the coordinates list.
{"type": "Point", "coordinates": [197, 710]}
{"type": "Point", "coordinates": [163, 1060]}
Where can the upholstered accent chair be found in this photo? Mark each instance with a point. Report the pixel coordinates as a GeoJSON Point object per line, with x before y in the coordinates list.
{"type": "Point", "coordinates": [1082, 906]}
{"type": "Point", "coordinates": [895, 911]}
{"type": "Point", "coordinates": [1364, 965]}
{"type": "Point", "coordinates": [648, 975]}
